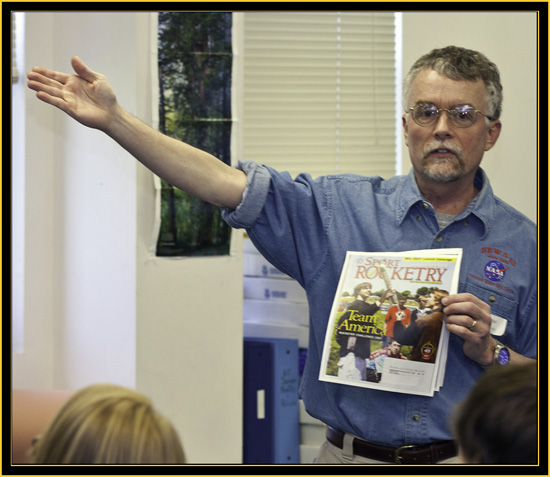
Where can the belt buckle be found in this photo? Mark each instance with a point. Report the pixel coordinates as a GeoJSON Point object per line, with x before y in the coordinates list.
{"type": "Point", "coordinates": [397, 453]}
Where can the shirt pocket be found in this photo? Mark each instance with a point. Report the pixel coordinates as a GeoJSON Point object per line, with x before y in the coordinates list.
{"type": "Point", "coordinates": [503, 309]}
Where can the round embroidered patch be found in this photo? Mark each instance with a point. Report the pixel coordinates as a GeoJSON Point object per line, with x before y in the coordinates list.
{"type": "Point", "coordinates": [427, 351]}
{"type": "Point", "coordinates": [495, 271]}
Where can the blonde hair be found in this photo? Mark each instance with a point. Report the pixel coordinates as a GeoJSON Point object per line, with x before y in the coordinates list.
{"type": "Point", "coordinates": [108, 424]}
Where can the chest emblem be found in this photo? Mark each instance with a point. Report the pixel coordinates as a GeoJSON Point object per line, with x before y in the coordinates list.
{"type": "Point", "coordinates": [495, 270]}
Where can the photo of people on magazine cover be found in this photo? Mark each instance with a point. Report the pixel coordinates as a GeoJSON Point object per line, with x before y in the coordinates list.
{"type": "Point", "coordinates": [411, 330]}
{"type": "Point", "coordinates": [386, 319]}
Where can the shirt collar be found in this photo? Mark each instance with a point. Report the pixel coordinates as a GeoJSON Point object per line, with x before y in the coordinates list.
{"type": "Point", "coordinates": [483, 205]}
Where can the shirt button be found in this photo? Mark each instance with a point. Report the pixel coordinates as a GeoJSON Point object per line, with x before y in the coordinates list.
{"type": "Point", "coordinates": [419, 218]}
{"type": "Point", "coordinates": [439, 239]}
{"type": "Point", "coordinates": [492, 298]}
{"type": "Point", "coordinates": [426, 206]}
{"type": "Point", "coordinates": [416, 417]}
{"type": "Point", "coordinates": [466, 223]}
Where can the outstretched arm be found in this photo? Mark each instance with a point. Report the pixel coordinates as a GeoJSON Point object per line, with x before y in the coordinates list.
{"type": "Point", "coordinates": [89, 98]}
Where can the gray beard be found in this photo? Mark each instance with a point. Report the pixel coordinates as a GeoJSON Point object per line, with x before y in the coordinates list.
{"type": "Point", "coordinates": [442, 172]}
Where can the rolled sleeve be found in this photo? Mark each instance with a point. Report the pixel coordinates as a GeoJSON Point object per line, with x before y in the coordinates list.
{"type": "Point", "coordinates": [254, 196]}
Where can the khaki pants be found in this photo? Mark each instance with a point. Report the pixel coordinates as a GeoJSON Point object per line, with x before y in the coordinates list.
{"type": "Point", "coordinates": [330, 454]}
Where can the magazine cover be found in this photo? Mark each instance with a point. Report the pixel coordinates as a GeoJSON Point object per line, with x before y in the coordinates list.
{"type": "Point", "coordinates": [386, 325]}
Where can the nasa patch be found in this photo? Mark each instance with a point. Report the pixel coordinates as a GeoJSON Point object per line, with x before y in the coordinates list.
{"type": "Point", "coordinates": [495, 271]}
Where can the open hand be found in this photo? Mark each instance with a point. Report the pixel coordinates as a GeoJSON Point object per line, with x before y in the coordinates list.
{"type": "Point", "coordinates": [87, 96]}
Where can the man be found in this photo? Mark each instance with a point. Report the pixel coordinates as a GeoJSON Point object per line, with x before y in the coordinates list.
{"type": "Point", "coordinates": [396, 313]}
{"type": "Point", "coordinates": [424, 333]}
{"type": "Point", "coordinates": [355, 349]}
{"type": "Point", "coordinates": [375, 362]}
{"type": "Point", "coordinates": [421, 310]}
{"type": "Point", "coordinates": [304, 227]}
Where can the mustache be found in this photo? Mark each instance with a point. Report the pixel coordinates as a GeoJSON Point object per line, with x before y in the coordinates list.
{"type": "Point", "coordinates": [439, 146]}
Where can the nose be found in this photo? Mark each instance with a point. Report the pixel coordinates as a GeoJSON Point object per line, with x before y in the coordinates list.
{"type": "Point", "coordinates": [442, 127]}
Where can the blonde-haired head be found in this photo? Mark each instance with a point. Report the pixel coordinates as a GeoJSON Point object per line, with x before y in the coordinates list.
{"type": "Point", "coordinates": [108, 424]}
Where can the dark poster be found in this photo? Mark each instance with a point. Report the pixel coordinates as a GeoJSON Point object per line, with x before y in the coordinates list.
{"type": "Point", "coordinates": [194, 63]}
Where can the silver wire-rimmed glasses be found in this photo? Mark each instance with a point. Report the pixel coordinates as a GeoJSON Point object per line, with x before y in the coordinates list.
{"type": "Point", "coordinates": [462, 116]}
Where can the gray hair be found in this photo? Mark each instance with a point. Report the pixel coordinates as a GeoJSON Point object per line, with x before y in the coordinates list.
{"type": "Point", "coordinates": [462, 65]}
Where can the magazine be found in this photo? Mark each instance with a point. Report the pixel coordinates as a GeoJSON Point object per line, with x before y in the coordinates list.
{"type": "Point", "coordinates": [386, 328]}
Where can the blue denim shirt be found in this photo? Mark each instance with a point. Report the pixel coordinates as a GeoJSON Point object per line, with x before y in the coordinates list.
{"type": "Point", "coordinates": [304, 227]}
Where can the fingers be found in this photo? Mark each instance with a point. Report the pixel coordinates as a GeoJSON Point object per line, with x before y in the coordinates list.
{"type": "Point", "coordinates": [46, 76]}
{"type": "Point", "coordinates": [465, 303]}
{"type": "Point", "coordinates": [44, 83]}
{"type": "Point", "coordinates": [56, 79]}
{"type": "Point", "coordinates": [466, 314]}
{"type": "Point", "coordinates": [48, 87]}
{"type": "Point", "coordinates": [40, 86]}
{"type": "Point", "coordinates": [470, 318]}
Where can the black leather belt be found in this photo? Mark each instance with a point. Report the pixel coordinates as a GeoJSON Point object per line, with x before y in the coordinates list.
{"type": "Point", "coordinates": [410, 454]}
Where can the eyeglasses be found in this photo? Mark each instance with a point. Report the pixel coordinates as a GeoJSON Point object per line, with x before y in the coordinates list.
{"type": "Point", "coordinates": [462, 116]}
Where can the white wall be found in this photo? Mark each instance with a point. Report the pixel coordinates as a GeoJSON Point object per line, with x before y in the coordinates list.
{"type": "Point", "coordinates": [35, 366]}
{"type": "Point", "coordinates": [79, 303]}
{"type": "Point", "coordinates": [510, 41]}
{"type": "Point", "coordinates": [96, 306]}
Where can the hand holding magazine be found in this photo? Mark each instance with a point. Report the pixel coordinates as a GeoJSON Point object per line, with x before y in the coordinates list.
{"type": "Point", "coordinates": [386, 324]}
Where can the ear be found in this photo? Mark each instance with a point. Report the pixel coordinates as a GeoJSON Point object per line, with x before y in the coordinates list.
{"type": "Point", "coordinates": [405, 129]}
{"type": "Point", "coordinates": [493, 134]}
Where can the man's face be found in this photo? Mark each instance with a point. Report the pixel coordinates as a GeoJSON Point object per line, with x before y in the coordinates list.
{"type": "Point", "coordinates": [443, 152]}
{"type": "Point", "coordinates": [432, 301]}
{"type": "Point", "coordinates": [402, 304]}
{"type": "Point", "coordinates": [364, 292]}
{"type": "Point", "coordinates": [395, 348]}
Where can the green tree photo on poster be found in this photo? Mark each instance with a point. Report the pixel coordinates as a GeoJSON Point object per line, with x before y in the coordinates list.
{"type": "Point", "coordinates": [194, 63]}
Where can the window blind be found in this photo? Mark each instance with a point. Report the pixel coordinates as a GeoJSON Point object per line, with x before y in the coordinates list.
{"type": "Point", "coordinates": [319, 92]}
{"type": "Point", "coordinates": [14, 70]}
